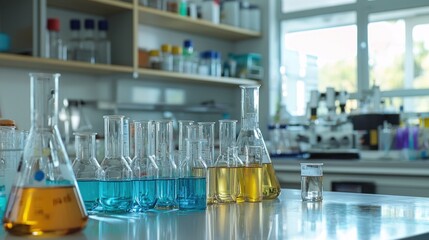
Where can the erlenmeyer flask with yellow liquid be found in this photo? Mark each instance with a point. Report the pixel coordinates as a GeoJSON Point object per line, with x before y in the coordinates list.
{"type": "Point", "coordinates": [250, 135]}
{"type": "Point", "coordinates": [45, 199]}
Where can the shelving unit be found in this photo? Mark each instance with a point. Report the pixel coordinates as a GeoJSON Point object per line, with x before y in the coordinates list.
{"type": "Point", "coordinates": [173, 21]}
{"type": "Point", "coordinates": [123, 14]}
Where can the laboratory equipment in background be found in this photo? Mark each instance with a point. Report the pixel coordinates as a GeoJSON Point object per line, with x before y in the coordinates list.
{"type": "Point", "coordinates": [87, 170]}
{"type": "Point", "coordinates": [103, 46]}
{"type": "Point", "coordinates": [231, 13]}
{"type": "Point", "coordinates": [73, 43]}
{"type": "Point", "coordinates": [115, 184]}
{"type": "Point", "coordinates": [87, 50]}
{"type": "Point", "coordinates": [45, 174]}
{"type": "Point", "coordinates": [248, 65]}
{"type": "Point", "coordinates": [177, 59]}
{"type": "Point", "coordinates": [250, 135]}
{"type": "Point", "coordinates": [54, 44]}
{"type": "Point", "coordinates": [210, 11]}
{"type": "Point", "coordinates": [166, 58]}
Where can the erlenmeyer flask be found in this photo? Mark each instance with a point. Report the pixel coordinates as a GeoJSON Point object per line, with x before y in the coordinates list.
{"type": "Point", "coordinates": [86, 169]}
{"type": "Point", "coordinates": [250, 135]}
{"type": "Point", "coordinates": [144, 167]}
{"type": "Point", "coordinates": [45, 199]}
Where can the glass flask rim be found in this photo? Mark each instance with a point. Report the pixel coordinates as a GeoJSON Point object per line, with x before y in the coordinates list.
{"type": "Point", "coordinates": [8, 127]}
{"type": "Point", "coordinates": [183, 121]}
{"type": "Point", "coordinates": [80, 134]}
{"type": "Point", "coordinates": [44, 75]}
{"type": "Point", "coordinates": [228, 121]}
{"type": "Point", "coordinates": [114, 116]}
{"type": "Point", "coordinates": [206, 123]}
{"type": "Point", "coordinates": [250, 86]}
{"type": "Point", "coordinates": [163, 121]}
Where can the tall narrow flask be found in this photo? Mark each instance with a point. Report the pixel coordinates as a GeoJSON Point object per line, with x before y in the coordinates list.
{"type": "Point", "coordinates": [206, 132]}
{"type": "Point", "coordinates": [115, 186]}
{"type": "Point", "coordinates": [45, 199]}
{"type": "Point", "coordinates": [183, 134]}
{"type": "Point", "coordinates": [225, 170]}
{"type": "Point", "coordinates": [87, 170]}
{"type": "Point", "coordinates": [192, 183]}
{"type": "Point", "coordinates": [103, 43]}
{"type": "Point", "coordinates": [166, 180]}
{"type": "Point", "coordinates": [144, 167]}
{"type": "Point", "coordinates": [250, 135]}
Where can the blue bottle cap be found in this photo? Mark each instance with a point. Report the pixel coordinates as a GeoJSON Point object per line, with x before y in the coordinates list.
{"type": "Point", "coordinates": [74, 24]}
{"type": "Point", "coordinates": [187, 43]}
{"type": "Point", "coordinates": [89, 24]}
{"type": "Point", "coordinates": [103, 25]}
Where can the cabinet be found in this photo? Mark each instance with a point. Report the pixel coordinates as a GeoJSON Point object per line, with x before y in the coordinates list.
{"type": "Point", "coordinates": [124, 18]}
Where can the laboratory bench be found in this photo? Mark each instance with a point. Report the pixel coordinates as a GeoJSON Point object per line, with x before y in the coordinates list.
{"type": "Point", "coordinates": [388, 176]}
{"type": "Point", "coordinates": [339, 216]}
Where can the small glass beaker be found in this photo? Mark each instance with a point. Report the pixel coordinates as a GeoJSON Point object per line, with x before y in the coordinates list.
{"type": "Point", "coordinates": [312, 181]}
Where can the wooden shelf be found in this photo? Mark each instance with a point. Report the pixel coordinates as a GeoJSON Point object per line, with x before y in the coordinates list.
{"type": "Point", "coordinates": [183, 77]}
{"type": "Point", "coordinates": [98, 7]}
{"type": "Point", "coordinates": [38, 64]}
{"type": "Point", "coordinates": [174, 21]}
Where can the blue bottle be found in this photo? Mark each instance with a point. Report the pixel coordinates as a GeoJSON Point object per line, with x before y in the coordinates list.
{"type": "Point", "coordinates": [166, 180]}
{"type": "Point", "coordinates": [192, 194]}
{"type": "Point", "coordinates": [144, 167]}
{"type": "Point", "coordinates": [87, 170]}
{"type": "Point", "coordinates": [116, 187]}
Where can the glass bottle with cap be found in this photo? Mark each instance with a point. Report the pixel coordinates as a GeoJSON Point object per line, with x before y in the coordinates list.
{"type": "Point", "coordinates": [46, 188]}
{"type": "Point", "coordinates": [167, 57]}
{"type": "Point", "coordinates": [103, 43]}
{"type": "Point", "coordinates": [74, 40]}
{"type": "Point", "coordinates": [250, 135]}
{"type": "Point", "coordinates": [87, 49]}
{"type": "Point", "coordinates": [154, 59]}
{"type": "Point", "coordinates": [177, 59]}
{"type": "Point", "coordinates": [54, 44]}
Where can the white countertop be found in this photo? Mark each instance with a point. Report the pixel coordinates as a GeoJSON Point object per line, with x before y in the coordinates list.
{"type": "Point", "coordinates": [339, 216]}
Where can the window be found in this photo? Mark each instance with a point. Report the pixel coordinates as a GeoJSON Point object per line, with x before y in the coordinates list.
{"type": "Point", "coordinates": [324, 45]}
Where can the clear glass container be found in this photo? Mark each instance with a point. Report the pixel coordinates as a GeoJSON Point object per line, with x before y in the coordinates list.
{"type": "Point", "coordinates": [87, 50]}
{"type": "Point", "coordinates": [7, 135]}
{"type": "Point", "coordinates": [115, 186]}
{"type": "Point", "coordinates": [103, 47]}
{"type": "Point", "coordinates": [192, 184]}
{"type": "Point", "coordinates": [87, 170]}
{"type": "Point", "coordinates": [167, 58]}
{"type": "Point", "coordinates": [226, 165]}
{"type": "Point", "coordinates": [144, 166]}
{"type": "Point", "coordinates": [206, 132]}
{"type": "Point", "coordinates": [250, 135]}
{"type": "Point", "coordinates": [45, 174]}
{"type": "Point", "coordinates": [183, 134]}
{"type": "Point", "coordinates": [127, 140]}
{"type": "Point", "coordinates": [166, 181]}
{"type": "Point", "coordinates": [252, 174]}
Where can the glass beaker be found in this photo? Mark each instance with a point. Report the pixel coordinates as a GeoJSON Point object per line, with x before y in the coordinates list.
{"type": "Point", "coordinates": [45, 199]}
{"type": "Point", "coordinates": [250, 135]}
{"type": "Point", "coordinates": [312, 181]}
{"type": "Point", "coordinates": [225, 170]}
{"type": "Point", "coordinates": [166, 181]}
{"type": "Point", "coordinates": [144, 167]}
{"type": "Point", "coordinates": [192, 184]}
{"type": "Point", "coordinates": [115, 184]}
{"type": "Point", "coordinates": [87, 170]}
{"type": "Point", "coordinates": [183, 134]}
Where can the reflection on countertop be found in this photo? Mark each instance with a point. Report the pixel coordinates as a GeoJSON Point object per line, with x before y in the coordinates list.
{"type": "Point", "coordinates": [338, 216]}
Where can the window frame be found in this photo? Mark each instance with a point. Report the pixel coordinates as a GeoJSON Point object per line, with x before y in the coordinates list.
{"type": "Point", "coordinates": [363, 9]}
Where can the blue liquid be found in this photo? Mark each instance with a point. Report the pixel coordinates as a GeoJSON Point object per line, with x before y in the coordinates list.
{"type": "Point", "coordinates": [116, 196]}
{"type": "Point", "coordinates": [144, 191]}
{"type": "Point", "coordinates": [192, 193]}
{"type": "Point", "coordinates": [166, 193]}
{"type": "Point", "coordinates": [2, 200]}
{"type": "Point", "coordinates": [89, 190]}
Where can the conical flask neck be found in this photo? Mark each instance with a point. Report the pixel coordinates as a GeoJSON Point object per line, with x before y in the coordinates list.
{"type": "Point", "coordinates": [250, 106]}
{"type": "Point", "coordinates": [85, 146]}
{"type": "Point", "coordinates": [113, 130]}
{"type": "Point", "coordinates": [44, 100]}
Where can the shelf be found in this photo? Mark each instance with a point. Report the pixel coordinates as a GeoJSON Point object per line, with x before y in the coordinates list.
{"type": "Point", "coordinates": [37, 64]}
{"type": "Point", "coordinates": [174, 76]}
{"type": "Point", "coordinates": [98, 7]}
{"type": "Point", "coordinates": [174, 21]}
{"type": "Point", "coordinates": [161, 107]}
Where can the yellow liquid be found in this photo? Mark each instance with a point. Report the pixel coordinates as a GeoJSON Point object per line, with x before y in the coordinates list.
{"type": "Point", "coordinates": [211, 180]}
{"type": "Point", "coordinates": [270, 184]}
{"type": "Point", "coordinates": [44, 211]}
{"type": "Point", "coordinates": [253, 183]}
{"type": "Point", "coordinates": [226, 190]}
{"type": "Point", "coordinates": [240, 185]}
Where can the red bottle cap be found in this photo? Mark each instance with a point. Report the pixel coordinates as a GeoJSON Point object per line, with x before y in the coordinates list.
{"type": "Point", "coordinates": [54, 24]}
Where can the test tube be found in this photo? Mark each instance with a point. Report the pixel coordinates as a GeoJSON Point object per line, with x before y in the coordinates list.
{"type": "Point", "coordinates": [312, 181]}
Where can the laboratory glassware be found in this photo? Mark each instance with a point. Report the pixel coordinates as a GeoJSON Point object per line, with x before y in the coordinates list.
{"type": "Point", "coordinates": [183, 134]}
{"type": "Point", "coordinates": [87, 49]}
{"type": "Point", "coordinates": [54, 44]}
{"type": "Point", "coordinates": [167, 58]}
{"type": "Point", "coordinates": [250, 135]}
{"type": "Point", "coordinates": [252, 182]}
{"type": "Point", "coordinates": [103, 43]}
{"type": "Point", "coordinates": [166, 180]}
{"type": "Point", "coordinates": [126, 145]}
{"type": "Point", "coordinates": [115, 184]}
{"type": "Point", "coordinates": [206, 132]}
{"type": "Point", "coordinates": [45, 190]}
{"type": "Point", "coordinates": [144, 167]}
{"type": "Point", "coordinates": [87, 170]}
{"type": "Point", "coordinates": [312, 181]}
{"type": "Point", "coordinates": [225, 170]}
{"type": "Point", "coordinates": [74, 41]}
{"type": "Point", "coordinates": [192, 184]}
{"type": "Point", "coordinates": [7, 135]}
